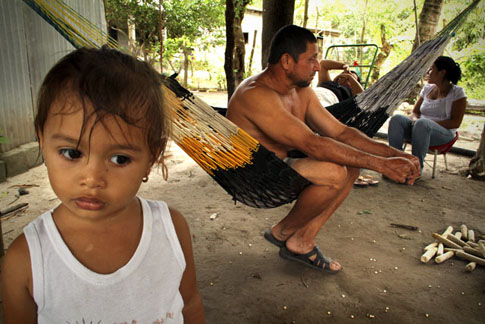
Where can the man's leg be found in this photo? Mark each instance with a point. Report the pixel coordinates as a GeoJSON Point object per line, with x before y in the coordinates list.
{"type": "Point", "coordinates": [330, 186]}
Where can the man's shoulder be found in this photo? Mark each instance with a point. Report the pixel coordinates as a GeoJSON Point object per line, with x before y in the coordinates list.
{"type": "Point", "coordinates": [250, 91]}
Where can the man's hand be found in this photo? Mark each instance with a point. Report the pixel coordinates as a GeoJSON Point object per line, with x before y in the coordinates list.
{"type": "Point", "coordinates": [401, 169]}
{"type": "Point", "coordinates": [410, 157]}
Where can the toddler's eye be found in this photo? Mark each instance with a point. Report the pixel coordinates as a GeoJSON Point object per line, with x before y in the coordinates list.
{"type": "Point", "coordinates": [120, 159]}
{"type": "Point", "coordinates": [70, 154]}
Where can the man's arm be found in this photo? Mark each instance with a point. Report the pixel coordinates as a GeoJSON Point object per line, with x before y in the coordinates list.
{"type": "Point", "coordinates": [355, 86]}
{"type": "Point", "coordinates": [270, 116]}
{"type": "Point", "coordinates": [325, 124]}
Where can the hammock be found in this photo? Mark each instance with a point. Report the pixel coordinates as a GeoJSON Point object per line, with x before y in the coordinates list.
{"type": "Point", "coordinates": [248, 171]}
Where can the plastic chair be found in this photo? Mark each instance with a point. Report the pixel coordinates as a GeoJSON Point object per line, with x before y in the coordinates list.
{"type": "Point", "coordinates": [439, 149]}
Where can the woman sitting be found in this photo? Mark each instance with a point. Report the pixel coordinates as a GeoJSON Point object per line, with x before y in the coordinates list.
{"type": "Point", "coordinates": [436, 115]}
{"type": "Point", "coordinates": [343, 86]}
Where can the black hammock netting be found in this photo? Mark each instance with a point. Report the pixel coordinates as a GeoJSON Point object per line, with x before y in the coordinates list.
{"type": "Point", "coordinates": [248, 171]}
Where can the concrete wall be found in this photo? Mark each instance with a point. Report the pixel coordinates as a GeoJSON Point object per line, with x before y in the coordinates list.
{"type": "Point", "coordinates": [30, 47]}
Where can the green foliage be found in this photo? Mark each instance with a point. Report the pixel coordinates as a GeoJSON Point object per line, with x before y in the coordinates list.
{"type": "Point", "coordinates": [399, 21]}
{"type": "Point", "coordinates": [189, 23]}
{"type": "Point", "coordinates": [473, 29]}
{"type": "Point", "coordinates": [473, 75]}
{"type": "Point", "coordinates": [468, 47]}
{"type": "Point", "coordinates": [3, 139]}
{"type": "Point", "coordinates": [144, 14]}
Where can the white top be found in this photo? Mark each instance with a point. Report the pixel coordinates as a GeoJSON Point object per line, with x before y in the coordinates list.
{"type": "Point", "coordinates": [145, 290]}
{"type": "Point", "coordinates": [439, 109]}
{"type": "Point", "coordinates": [326, 96]}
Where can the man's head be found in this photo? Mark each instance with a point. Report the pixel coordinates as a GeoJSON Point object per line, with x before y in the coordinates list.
{"type": "Point", "coordinates": [295, 48]}
{"type": "Point", "coordinates": [290, 39]}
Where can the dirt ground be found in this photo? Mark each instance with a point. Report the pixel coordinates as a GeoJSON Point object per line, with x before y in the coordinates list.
{"type": "Point", "coordinates": [243, 280]}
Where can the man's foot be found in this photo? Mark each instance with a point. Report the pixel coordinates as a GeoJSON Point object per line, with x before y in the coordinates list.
{"type": "Point", "coordinates": [270, 238]}
{"type": "Point", "coordinates": [321, 262]}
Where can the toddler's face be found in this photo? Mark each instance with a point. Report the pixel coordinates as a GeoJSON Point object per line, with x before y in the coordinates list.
{"type": "Point", "coordinates": [99, 174]}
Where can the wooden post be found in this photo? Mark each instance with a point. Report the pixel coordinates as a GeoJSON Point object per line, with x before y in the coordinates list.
{"type": "Point", "coordinates": [2, 252]}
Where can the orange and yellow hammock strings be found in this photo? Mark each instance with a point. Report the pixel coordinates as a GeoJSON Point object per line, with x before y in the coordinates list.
{"type": "Point", "coordinates": [212, 141]}
{"type": "Point", "coordinates": [208, 138]}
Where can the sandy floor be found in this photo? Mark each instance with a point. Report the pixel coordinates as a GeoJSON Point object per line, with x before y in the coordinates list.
{"type": "Point", "coordinates": [243, 280]}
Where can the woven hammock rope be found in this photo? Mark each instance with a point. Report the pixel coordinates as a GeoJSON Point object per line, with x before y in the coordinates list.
{"type": "Point", "coordinates": [243, 167]}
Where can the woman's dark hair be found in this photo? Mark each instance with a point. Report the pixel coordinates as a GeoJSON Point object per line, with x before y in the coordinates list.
{"type": "Point", "coordinates": [289, 39]}
{"type": "Point", "coordinates": [114, 84]}
{"type": "Point", "coordinates": [453, 70]}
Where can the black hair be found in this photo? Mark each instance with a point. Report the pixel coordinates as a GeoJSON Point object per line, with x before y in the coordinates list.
{"type": "Point", "coordinates": [453, 70]}
{"type": "Point", "coordinates": [115, 84]}
{"type": "Point", "coordinates": [289, 39]}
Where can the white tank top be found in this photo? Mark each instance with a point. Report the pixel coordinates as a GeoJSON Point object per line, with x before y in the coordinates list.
{"type": "Point", "coordinates": [145, 290]}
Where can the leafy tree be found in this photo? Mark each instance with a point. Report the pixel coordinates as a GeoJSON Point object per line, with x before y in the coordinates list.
{"type": "Point", "coordinates": [468, 47]}
{"type": "Point", "coordinates": [235, 45]}
{"type": "Point", "coordinates": [192, 23]}
{"type": "Point", "coordinates": [189, 24]}
{"type": "Point", "coordinates": [428, 21]}
{"type": "Point", "coordinates": [143, 14]}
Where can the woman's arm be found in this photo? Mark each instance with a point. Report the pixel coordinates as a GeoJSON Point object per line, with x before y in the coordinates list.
{"type": "Point", "coordinates": [416, 110]}
{"type": "Point", "coordinates": [457, 112]}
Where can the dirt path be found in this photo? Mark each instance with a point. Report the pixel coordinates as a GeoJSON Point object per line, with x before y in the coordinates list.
{"type": "Point", "coordinates": [243, 280]}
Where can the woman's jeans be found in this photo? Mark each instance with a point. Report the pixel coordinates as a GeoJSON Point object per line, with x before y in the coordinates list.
{"type": "Point", "coordinates": [422, 134]}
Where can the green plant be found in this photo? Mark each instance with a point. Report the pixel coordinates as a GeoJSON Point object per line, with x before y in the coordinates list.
{"type": "Point", "coordinates": [3, 139]}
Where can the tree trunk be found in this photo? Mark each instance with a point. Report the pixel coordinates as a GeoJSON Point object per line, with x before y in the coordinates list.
{"type": "Point", "coordinates": [384, 52]}
{"type": "Point", "coordinates": [240, 45]}
{"type": "Point", "coordinates": [305, 15]}
{"type": "Point", "coordinates": [160, 33]}
{"type": "Point", "coordinates": [186, 67]}
{"type": "Point", "coordinates": [131, 34]}
{"type": "Point", "coordinates": [426, 29]}
{"type": "Point", "coordinates": [276, 14]}
{"type": "Point", "coordinates": [228, 55]}
{"type": "Point", "coordinates": [362, 33]}
{"type": "Point", "coordinates": [428, 21]}
{"type": "Point", "coordinates": [476, 168]}
{"type": "Point", "coordinates": [252, 52]}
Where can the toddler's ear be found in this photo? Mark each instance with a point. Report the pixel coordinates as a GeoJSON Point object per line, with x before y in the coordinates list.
{"type": "Point", "coordinates": [40, 138]}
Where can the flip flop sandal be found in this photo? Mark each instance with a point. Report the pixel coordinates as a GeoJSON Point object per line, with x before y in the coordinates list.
{"type": "Point", "coordinates": [361, 182]}
{"type": "Point", "coordinates": [321, 262]}
{"type": "Point", "coordinates": [273, 240]}
{"type": "Point", "coordinates": [370, 180]}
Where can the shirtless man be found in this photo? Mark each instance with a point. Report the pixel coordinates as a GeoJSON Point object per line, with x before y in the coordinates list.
{"type": "Point", "coordinates": [280, 110]}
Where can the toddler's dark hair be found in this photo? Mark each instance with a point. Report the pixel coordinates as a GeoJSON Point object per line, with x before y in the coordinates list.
{"type": "Point", "coordinates": [114, 84]}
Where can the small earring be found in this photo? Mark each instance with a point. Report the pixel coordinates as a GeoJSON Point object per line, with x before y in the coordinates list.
{"type": "Point", "coordinates": [145, 179]}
